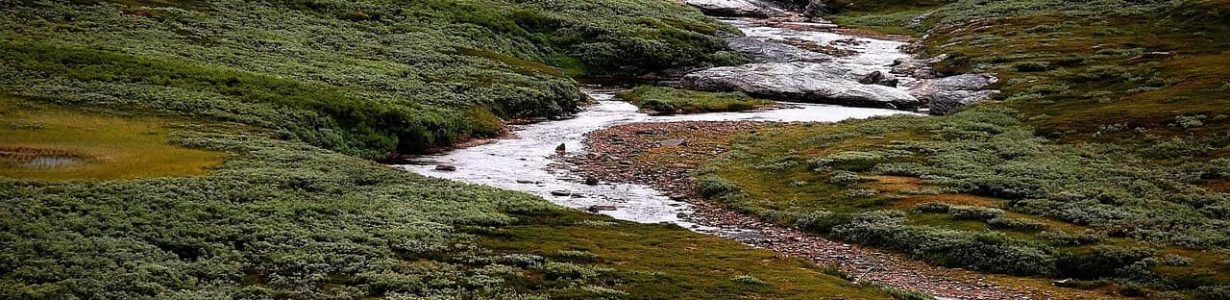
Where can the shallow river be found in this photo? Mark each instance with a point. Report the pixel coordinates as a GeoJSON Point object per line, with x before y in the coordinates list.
{"type": "Point", "coordinates": [523, 163]}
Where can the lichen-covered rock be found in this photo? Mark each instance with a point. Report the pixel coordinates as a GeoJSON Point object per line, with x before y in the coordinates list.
{"type": "Point", "coordinates": [737, 8]}
{"type": "Point", "coordinates": [799, 82]}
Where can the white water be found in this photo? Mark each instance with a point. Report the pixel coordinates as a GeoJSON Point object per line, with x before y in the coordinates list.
{"type": "Point", "coordinates": [511, 163]}
{"type": "Point", "coordinates": [523, 163]}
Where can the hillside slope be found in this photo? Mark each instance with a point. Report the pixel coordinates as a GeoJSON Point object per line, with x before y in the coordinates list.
{"type": "Point", "coordinates": [1103, 164]}
{"type": "Point", "coordinates": [220, 150]}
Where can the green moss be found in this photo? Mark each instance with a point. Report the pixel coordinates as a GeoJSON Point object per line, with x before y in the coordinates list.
{"type": "Point", "coordinates": [666, 100]}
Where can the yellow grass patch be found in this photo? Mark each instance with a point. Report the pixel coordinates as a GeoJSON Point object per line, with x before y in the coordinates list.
{"type": "Point", "coordinates": [63, 144]}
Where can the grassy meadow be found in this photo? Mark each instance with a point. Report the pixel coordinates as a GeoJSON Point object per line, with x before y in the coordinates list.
{"type": "Point", "coordinates": [1103, 162]}
{"type": "Point", "coordinates": [223, 150]}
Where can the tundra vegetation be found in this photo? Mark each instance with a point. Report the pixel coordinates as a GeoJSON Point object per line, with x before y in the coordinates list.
{"type": "Point", "coordinates": [221, 150]}
{"type": "Point", "coordinates": [1103, 162]}
{"type": "Point", "coordinates": [666, 100]}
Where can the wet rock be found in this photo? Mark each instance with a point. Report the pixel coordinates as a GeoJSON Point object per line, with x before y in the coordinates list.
{"type": "Point", "coordinates": [765, 50]}
{"type": "Point", "coordinates": [590, 180]}
{"type": "Point", "coordinates": [849, 42]}
{"type": "Point", "coordinates": [561, 193]}
{"type": "Point", "coordinates": [949, 94]}
{"type": "Point", "coordinates": [446, 168]}
{"type": "Point", "coordinates": [799, 82]}
{"type": "Point", "coordinates": [878, 78]}
{"type": "Point", "coordinates": [737, 8]}
{"type": "Point", "coordinates": [523, 181]}
{"type": "Point", "coordinates": [673, 142]}
{"type": "Point", "coordinates": [600, 208]}
{"type": "Point", "coordinates": [561, 148]}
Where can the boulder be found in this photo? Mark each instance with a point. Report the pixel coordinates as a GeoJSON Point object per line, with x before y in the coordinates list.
{"type": "Point", "coordinates": [799, 82]}
{"type": "Point", "coordinates": [737, 8]}
{"type": "Point", "coordinates": [878, 77]}
{"type": "Point", "coordinates": [948, 102]}
{"type": "Point", "coordinates": [949, 94]}
{"type": "Point", "coordinates": [599, 208]}
{"type": "Point", "coordinates": [763, 50]}
{"type": "Point", "coordinates": [673, 142]}
{"type": "Point", "coordinates": [916, 68]}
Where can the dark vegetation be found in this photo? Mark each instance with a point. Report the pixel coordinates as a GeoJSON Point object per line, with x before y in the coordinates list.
{"type": "Point", "coordinates": [1104, 161]}
{"type": "Point", "coordinates": [366, 78]}
{"type": "Point", "coordinates": [224, 149]}
{"type": "Point", "coordinates": [666, 100]}
{"type": "Point", "coordinates": [283, 220]}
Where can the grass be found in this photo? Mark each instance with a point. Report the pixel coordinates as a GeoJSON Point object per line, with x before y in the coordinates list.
{"type": "Point", "coordinates": [1110, 130]}
{"type": "Point", "coordinates": [667, 101]}
{"type": "Point", "coordinates": [98, 146]}
{"type": "Point", "coordinates": [681, 263]}
{"type": "Point", "coordinates": [366, 78]}
{"type": "Point", "coordinates": [281, 219]}
{"type": "Point", "coordinates": [972, 162]}
{"type": "Point", "coordinates": [232, 141]}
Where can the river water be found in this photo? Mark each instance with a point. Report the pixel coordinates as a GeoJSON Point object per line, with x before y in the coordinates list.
{"type": "Point", "coordinates": [524, 163]}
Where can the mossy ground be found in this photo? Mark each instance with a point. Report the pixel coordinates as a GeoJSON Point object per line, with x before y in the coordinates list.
{"type": "Point", "coordinates": [666, 100]}
{"type": "Point", "coordinates": [1113, 113]}
{"type": "Point", "coordinates": [93, 145]}
{"type": "Point", "coordinates": [233, 138]}
{"type": "Point", "coordinates": [660, 261]}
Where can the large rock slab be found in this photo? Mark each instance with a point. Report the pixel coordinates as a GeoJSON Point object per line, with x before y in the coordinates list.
{"type": "Point", "coordinates": [799, 82]}
{"type": "Point", "coordinates": [737, 8]}
{"type": "Point", "coordinates": [949, 94]}
{"type": "Point", "coordinates": [764, 50]}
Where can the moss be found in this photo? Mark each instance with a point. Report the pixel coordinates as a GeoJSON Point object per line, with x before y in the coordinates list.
{"type": "Point", "coordinates": [80, 145]}
{"type": "Point", "coordinates": [666, 100]}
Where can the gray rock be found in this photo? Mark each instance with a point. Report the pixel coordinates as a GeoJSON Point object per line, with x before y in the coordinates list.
{"type": "Point", "coordinates": [966, 82]}
{"type": "Point", "coordinates": [561, 193]}
{"type": "Point", "coordinates": [916, 68]}
{"type": "Point", "coordinates": [590, 180]}
{"type": "Point", "coordinates": [737, 8]}
{"type": "Point", "coordinates": [763, 50]}
{"type": "Point", "coordinates": [673, 142]}
{"type": "Point", "coordinates": [446, 168]}
{"type": "Point", "coordinates": [878, 78]}
{"type": "Point", "coordinates": [949, 94]}
{"type": "Point", "coordinates": [599, 208]}
{"type": "Point", "coordinates": [799, 82]}
{"type": "Point", "coordinates": [948, 102]}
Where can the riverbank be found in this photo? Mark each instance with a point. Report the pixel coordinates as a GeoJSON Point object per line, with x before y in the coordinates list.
{"type": "Point", "coordinates": [666, 155]}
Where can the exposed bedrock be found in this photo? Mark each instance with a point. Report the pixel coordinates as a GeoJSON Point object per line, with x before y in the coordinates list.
{"type": "Point", "coordinates": [800, 82]}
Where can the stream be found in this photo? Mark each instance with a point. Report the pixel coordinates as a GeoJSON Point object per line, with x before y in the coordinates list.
{"type": "Point", "coordinates": [523, 163]}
